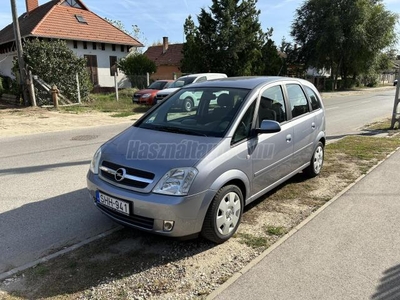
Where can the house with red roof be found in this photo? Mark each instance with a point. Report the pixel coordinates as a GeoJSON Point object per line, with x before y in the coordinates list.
{"type": "Point", "coordinates": [167, 58]}
{"type": "Point", "coordinates": [86, 33]}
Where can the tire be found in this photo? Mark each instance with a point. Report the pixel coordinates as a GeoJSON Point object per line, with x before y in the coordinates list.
{"type": "Point", "coordinates": [224, 215]}
{"type": "Point", "coordinates": [317, 160]}
{"type": "Point", "coordinates": [188, 104]}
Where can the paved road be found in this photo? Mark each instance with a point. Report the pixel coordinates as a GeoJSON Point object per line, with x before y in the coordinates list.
{"type": "Point", "coordinates": [346, 115]}
{"type": "Point", "coordinates": [44, 205]}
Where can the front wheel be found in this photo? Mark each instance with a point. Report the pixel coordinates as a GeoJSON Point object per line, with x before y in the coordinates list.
{"type": "Point", "coordinates": [316, 162]}
{"type": "Point", "coordinates": [188, 104]}
{"type": "Point", "coordinates": [224, 214]}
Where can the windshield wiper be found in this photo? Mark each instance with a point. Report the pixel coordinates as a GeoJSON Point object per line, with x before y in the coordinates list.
{"type": "Point", "coordinates": [178, 130]}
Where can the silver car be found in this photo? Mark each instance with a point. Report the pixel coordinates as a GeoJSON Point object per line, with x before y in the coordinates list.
{"type": "Point", "coordinates": [180, 173]}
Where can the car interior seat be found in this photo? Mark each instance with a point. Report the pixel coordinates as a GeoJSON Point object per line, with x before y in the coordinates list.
{"type": "Point", "coordinates": [225, 106]}
{"type": "Point", "coordinates": [266, 111]}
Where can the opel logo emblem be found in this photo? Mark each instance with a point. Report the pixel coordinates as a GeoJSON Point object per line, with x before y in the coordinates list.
{"type": "Point", "coordinates": [120, 174]}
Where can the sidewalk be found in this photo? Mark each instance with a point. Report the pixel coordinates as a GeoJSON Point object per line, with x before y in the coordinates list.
{"type": "Point", "coordinates": [350, 250]}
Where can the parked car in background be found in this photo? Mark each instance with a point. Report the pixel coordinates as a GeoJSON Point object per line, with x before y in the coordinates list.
{"type": "Point", "coordinates": [147, 96]}
{"type": "Point", "coordinates": [180, 173]}
{"type": "Point", "coordinates": [189, 101]}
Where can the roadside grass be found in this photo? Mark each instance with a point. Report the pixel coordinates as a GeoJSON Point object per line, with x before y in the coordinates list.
{"type": "Point", "coordinates": [84, 272]}
{"type": "Point", "coordinates": [108, 103]}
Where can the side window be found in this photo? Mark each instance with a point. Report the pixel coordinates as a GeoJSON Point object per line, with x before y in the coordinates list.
{"type": "Point", "coordinates": [201, 79]}
{"type": "Point", "coordinates": [297, 99]}
{"type": "Point", "coordinates": [315, 102]}
{"type": "Point", "coordinates": [243, 130]}
{"type": "Point", "coordinates": [272, 105]}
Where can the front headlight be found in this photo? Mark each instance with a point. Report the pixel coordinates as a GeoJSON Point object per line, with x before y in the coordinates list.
{"type": "Point", "coordinates": [176, 182]}
{"type": "Point", "coordinates": [94, 164]}
{"type": "Point", "coordinates": [146, 95]}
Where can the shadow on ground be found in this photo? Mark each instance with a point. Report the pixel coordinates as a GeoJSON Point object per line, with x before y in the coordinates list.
{"type": "Point", "coordinates": [40, 228]}
{"type": "Point", "coordinates": [389, 287]}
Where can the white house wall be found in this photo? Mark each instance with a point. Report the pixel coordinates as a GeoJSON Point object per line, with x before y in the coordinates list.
{"type": "Point", "coordinates": [6, 63]}
{"type": "Point", "coordinates": [103, 62]}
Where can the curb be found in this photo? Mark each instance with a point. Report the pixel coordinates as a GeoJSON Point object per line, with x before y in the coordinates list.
{"type": "Point", "coordinates": [56, 254]}
{"type": "Point", "coordinates": [255, 261]}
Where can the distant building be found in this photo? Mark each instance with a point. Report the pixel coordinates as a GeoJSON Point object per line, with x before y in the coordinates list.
{"type": "Point", "coordinates": [87, 34]}
{"type": "Point", "coordinates": [167, 59]}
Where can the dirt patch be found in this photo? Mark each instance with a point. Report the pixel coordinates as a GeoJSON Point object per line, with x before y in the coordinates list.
{"type": "Point", "coordinates": [30, 120]}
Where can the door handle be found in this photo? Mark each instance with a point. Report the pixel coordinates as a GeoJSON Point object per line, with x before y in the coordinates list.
{"type": "Point", "coordinates": [313, 125]}
{"type": "Point", "coordinates": [289, 138]}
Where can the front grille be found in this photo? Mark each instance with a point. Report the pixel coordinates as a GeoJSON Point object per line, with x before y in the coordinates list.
{"type": "Point", "coordinates": [135, 220]}
{"type": "Point", "coordinates": [133, 177]}
{"type": "Point", "coordinates": [160, 97]}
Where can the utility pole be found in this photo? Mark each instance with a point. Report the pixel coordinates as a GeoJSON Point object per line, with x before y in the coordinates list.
{"type": "Point", "coordinates": [21, 62]}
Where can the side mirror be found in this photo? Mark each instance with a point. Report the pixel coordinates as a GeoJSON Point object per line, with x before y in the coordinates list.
{"type": "Point", "coordinates": [268, 126]}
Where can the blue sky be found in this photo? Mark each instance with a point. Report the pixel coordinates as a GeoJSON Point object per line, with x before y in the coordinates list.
{"type": "Point", "coordinates": [158, 18]}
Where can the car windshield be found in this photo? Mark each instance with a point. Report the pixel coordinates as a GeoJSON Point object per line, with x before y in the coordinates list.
{"type": "Point", "coordinates": [197, 111]}
{"type": "Point", "coordinates": [180, 82]}
{"type": "Point", "coordinates": [157, 85]}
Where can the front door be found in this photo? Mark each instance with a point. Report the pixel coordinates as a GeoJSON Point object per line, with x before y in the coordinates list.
{"type": "Point", "coordinates": [272, 155]}
{"type": "Point", "coordinates": [91, 66]}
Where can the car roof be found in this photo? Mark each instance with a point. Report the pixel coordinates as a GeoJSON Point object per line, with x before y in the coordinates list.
{"type": "Point", "coordinates": [201, 74]}
{"type": "Point", "coordinates": [246, 82]}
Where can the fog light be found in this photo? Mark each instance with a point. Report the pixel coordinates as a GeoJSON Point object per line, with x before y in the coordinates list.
{"type": "Point", "coordinates": [168, 225]}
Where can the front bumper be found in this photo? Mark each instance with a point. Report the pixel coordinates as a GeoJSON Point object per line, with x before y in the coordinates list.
{"type": "Point", "coordinates": [151, 210]}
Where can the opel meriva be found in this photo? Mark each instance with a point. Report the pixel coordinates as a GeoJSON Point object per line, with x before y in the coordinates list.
{"type": "Point", "coordinates": [180, 173]}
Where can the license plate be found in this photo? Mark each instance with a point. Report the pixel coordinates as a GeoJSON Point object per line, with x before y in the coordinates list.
{"type": "Point", "coordinates": [113, 203]}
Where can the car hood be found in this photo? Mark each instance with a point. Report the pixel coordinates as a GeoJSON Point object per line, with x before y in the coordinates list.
{"type": "Point", "coordinates": [168, 91]}
{"type": "Point", "coordinates": [156, 151]}
{"type": "Point", "coordinates": [146, 91]}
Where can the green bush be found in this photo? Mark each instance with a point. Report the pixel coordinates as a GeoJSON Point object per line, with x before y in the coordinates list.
{"type": "Point", "coordinates": [56, 64]}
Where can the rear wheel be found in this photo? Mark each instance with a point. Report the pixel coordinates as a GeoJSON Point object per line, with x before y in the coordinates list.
{"type": "Point", "coordinates": [316, 162]}
{"type": "Point", "coordinates": [188, 104]}
{"type": "Point", "coordinates": [224, 214]}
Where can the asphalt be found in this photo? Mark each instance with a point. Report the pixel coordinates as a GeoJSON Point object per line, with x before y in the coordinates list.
{"type": "Point", "coordinates": [349, 249]}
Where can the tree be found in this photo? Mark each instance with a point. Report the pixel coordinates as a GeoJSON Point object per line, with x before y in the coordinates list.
{"type": "Point", "coordinates": [343, 35]}
{"type": "Point", "coordinates": [228, 39]}
{"type": "Point", "coordinates": [136, 33]}
{"type": "Point", "coordinates": [136, 65]}
{"type": "Point", "coordinates": [56, 64]}
{"type": "Point", "coordinates": [270, 62]}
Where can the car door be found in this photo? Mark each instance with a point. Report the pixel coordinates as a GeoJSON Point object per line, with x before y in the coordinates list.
{"type": "Point", "coordinates": [272, 152]}
{"type": "Point", "coordinates": [303, 124]}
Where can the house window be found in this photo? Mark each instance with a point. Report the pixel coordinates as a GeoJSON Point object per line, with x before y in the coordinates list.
{"type": "Point", "coordinates": [71, 3]}
{"type": "Point", "coordinates": [84, 45]}
{"type": "Point", "coordinates": [113, 47]}
{"type": "Point", "coordinates": [103, 46]}
{"type": "Point", "coordinates": [75, 44]}
{"type": "Point", "coordinates": [94, 46]}
{"type": "Point", "coordinates": [81, 19]}
{"type": "Point", "coordinates": [113, 65]}
{"type": "Point", "coordinates": [122, 48]}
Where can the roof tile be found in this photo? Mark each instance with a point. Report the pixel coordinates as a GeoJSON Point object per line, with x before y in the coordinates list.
{"type": "Point", "coordinates": [52, 20]}
{"type": "Point", "coordinates": [172, 57]}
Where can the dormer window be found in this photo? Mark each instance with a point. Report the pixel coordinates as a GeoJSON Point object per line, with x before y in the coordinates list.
{"type": "Point", "coordinates": [71, 3]}
{"type": "Point", "coordinates": [81, 19]}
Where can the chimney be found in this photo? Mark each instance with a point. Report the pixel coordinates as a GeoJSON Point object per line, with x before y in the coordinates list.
{"type": "Point", "coordinates": [165, 44]}
{"type": "Point", "coordinates": [31, 5]}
